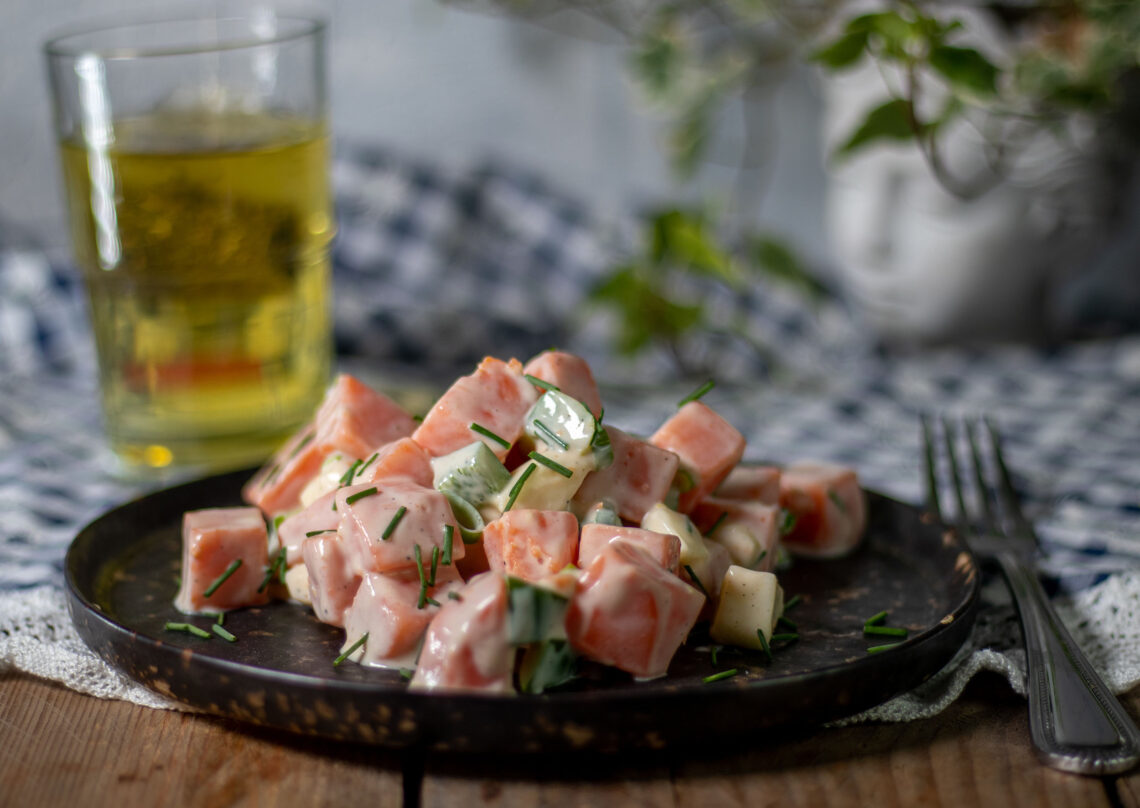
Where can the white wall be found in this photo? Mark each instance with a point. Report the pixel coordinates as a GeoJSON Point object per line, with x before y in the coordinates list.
{"type": "Point", "coordinates": [449, 85]}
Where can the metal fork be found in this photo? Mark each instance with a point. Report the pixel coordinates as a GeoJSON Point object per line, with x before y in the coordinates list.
{"type": "Point", "coordinates": [1075, 722]}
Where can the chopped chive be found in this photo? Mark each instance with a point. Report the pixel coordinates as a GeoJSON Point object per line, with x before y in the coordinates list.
{"type": "Point", "coordinates": [396, 517]}
{"type": "Point", "coordinates": [788, 521]}
{"type": "Point", "coordinates": [407, 673]}
{"type": "Point", "coordinates": [551, 464]}
{"type": "Point", "coordinates": [198, 632]}
{"type": "Point", "coordinates": [351, 498]}
{"type": "Point", "coordinates": [687, 483]}
{"type": "Point", "coordinates": [221, 579]}
{"type": "Point", "coordinates": [448, 538]}
{"type": "Point", "coordinates": [767, 649]}
{"type": "Point", "coordinates": [700, 391]}
{"type": "Point", "coordinates": [696, 581]}
{"type": "Point", "coordinates": [716, 677]}
{"type": "Point", "coordinates": [792, 602]}
{"type": "Point", "coordinates": [350, 650]}
{"type": "Point", "coordinates": [169, 626]}
{"type": "Point", "coordinates": [434, 564]}
{"type": "Point", "coordinates": [874, 620]}
{"type": "Point", "coordinates": [221, 618]}
{"type": "Point", "coordinates": [759, 558]}
{"type": "Point", "coordinates": [221, 632]}
{"type": "Point", "coordinates": [430, 601]}
{"type": "Point", "coordinates": [455, 595]}
{"type": "Point", "coordinates": [350, 472]}
{"type": "Point", "coordinates": [601, 414]}
{"type": "Point", "coordinates": [550, 436]}
{"type": "Point", "coordinates": [423, 599]}
{"type": "Point", "coordinates": [305, 441]}
{"type": "Point", "coordinates": [270, 571]}
{"type": "Point", "coordinates": [875, 649]}
{"type": "Point", "coordinates": [537, 382]}
{"type": "Point", "coordinates": [277, 520]}
{"type": "Point", "coordinates": [719, 520]}
{"type": "Point", "coordinates": [482, 430]}
{"type": "Point", "coordinates": [787, 622]}
{"type": "Point", "coordinates": [839, 503]}
{"type": "Point", "coordinates": [713, 653]}
{"type": "Point", "coordinates": [516, 489]}
{"type": "Point", "coordinates": [419, 419]}
{"type": "Point", "coordinates": [885, 631]}
{"type": "Point", "coordinates": [309, 534]}
{"type": "Point", "coordinates": [785, 637]}
{"type": "Point", "coordinates": [367, 463]}
{"type": "Point", "coordinates": [271, 475]}
{"type": "Point", "coordinates": [281, 567]}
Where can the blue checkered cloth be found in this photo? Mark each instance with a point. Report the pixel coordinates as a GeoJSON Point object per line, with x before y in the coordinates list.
{"type": "Point", "coordinates": [437, 268]}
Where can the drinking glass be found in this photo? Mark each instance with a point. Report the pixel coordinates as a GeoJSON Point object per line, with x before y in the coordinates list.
{"type": "Point", "coordinates": [195, 161]}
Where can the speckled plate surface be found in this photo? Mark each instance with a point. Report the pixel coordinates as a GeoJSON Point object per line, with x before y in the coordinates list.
{"type": "Point", "coordinates": [122, 572]}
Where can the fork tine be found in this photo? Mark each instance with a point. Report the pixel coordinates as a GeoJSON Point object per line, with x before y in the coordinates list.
{"type": "Point", "coordinates": [1008, 494]}
{"type": "Point", "coordinates": [928, 457]}
{"type": "Point", "coordinates": [990, 512]}
{"type": "Point", "coordinates": [949, 438]}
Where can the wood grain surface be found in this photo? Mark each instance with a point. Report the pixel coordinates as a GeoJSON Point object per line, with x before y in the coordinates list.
{"type": "Point", "coordinates": [59, 748]}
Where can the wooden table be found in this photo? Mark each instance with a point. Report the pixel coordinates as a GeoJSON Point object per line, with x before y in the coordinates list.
{"type": "Point", "coordinates": [59, 748]}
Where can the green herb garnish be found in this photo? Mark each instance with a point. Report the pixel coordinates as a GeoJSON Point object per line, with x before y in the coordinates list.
{"type": "Point", "coordinates": [696, 580]}
{"type": "Point", "coordinates": [785, 637]}
{"type": "Point", "coordinates": [516, 489]}
{"type": "Point", "coordinates": [767, 649]}
{"type": "Point", "coordinates": [875, 620]}
{"type": "Point", "coordinates": [719, 520]}
{"type": "Point", "coordinates": [407, 673]}
{"type": "Point", "coordinates": [885, 631]}
{"type": "Point", "coordinates": [349, 473]}
{"type": "Point", "coordinates": [875, 649]}
{"type": "Point", "coordinates": [455, 595]}
{"type": "Point", "coordinates": [787, 622]}
{"type": "Point", "coordinates": [448, 539]}
{"type": "Point", "coordinates": [350, 650]}
{"type": "Point", "coordinates": [792, 602]}
{"type": "Point", "coordinates": [434, 564]}
{"type": "Point", "coordinates": [839, 503]}
{"type": "Point", "coordinates": [221, 632]}
{"type": "Point", "coordinates": [367, 463]}
{"type": "Point", "coordinates": [187, 628]}
{"type": "Point", "coordinates": [309, 534]}
{"type": "Point", "coordinates": [713, 653]}
{"type": "Point", "coordinates": [788, 521]}
{"type": "Point", "coordinates": [281, 569]}
{"type": "Point", "coordinates": [396, 517]}
{"type": "Point", "coordinates": [537, 382]}
{"type": "Point", "coordinates": [551, 464]}
{"type": "Point", "coordinates": [221, 579]}
{"type": "Point", "coordinates": [482, 430]}
{"type": "Point", "coordinates": [550, 436]}
{"type": "Point", "coordinates": [716, 677]}
{"type": "Point", "coordinates": [696, 394]}
{"type": "Point", "coordinates": [351, 498]}
{"type": "Point", "coordinates": [221, 618]}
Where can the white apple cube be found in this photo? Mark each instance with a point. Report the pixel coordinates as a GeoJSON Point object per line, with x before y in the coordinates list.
{"type": "Point", "coordinates": [749, 600]}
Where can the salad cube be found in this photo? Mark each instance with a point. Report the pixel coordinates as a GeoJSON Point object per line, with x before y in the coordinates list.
{"type": "Point", "coordinates": [570, 374]}
{"type": "Point", "coordinates": [214, 539]}
{"type": "Point", "coordinates": [531, 544]}
{"type": "Point", "coordinates": [755, 483]}
{"type": "Point", "coordinates": [332, 580]}
{"type": "Point", "coordinates": [403, 458]}
{"type": "Point", "coordinates": [748, 529]}
{"type": "Point", "coordinates": [828, 506]}
{"type": "Point", "coordinates": [386, 608]}
{"type": "Point", "coordinates": [664, 548]}
{"type": "Point", "coordinates": [708, 445]}
{"type": "Point", "coordinates": [630, 612]}
{"type": "Point", "coordinates": [495, 397]}
{"type": "Point", "coordinates": [382, 523]}
{"type": "Point", "coordinates": [638, 478]}
{"type": "Point", "coordinates": [465, 647]}
{"type": "Point", "coordinates": [356, 419]}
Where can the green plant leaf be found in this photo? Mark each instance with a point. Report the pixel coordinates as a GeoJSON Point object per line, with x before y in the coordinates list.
{"type": "Point", "coordinates": [843, 52]}
{"type": "Point", "coordinates": [682, 237]}
{"type": "Point", "coordinates": [775, 259]}
{"type": "Point", "coordinates": [965, 68]}
{"type": "Point", "coordinates": [657, 62]}
{"type": "Point", "coordinates": [889, 121]}
{"type": "Point", "coordinates": [892, 31]}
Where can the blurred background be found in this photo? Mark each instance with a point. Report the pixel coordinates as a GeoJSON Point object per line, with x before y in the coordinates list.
{"type": "Point", "coordinates": [722, 182]}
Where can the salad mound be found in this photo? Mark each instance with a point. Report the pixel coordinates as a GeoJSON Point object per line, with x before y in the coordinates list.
{"type": "Point", "coordinates": [510, 533]}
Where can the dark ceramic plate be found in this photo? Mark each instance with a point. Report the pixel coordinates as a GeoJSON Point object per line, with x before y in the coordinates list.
{"type": "Point", "coordinates": [121, 577]}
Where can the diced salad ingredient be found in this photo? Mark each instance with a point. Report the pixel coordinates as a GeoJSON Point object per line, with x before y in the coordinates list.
{"type": "Point", "coordinates": [511, 536]}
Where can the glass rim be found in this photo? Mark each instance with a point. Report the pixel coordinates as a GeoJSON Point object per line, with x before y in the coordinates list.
{"type": "Point", "coordinates": [57, 44]}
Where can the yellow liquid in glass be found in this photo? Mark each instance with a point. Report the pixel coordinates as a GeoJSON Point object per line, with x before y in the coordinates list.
{"type": "Point", "coordinates": [204, 245]}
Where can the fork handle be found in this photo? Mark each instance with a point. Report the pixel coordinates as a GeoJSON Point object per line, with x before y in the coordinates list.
{"type": "Point", "coordinates": [1076, 724]}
